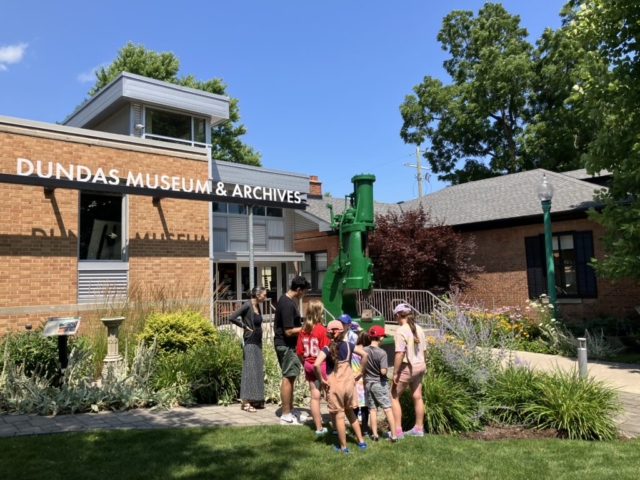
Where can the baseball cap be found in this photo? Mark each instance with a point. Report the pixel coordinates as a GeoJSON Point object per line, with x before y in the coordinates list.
{"type": "Point", "coordinates": [401, 307]}
{"type": "Point", "coordinates": [376, 331]}
{"type": "Point", "coordinates": [355, 326]}
{"type": "Point", "coordinates": [335, 325]}
{"type": "Point", "coordinates": [345, 318]}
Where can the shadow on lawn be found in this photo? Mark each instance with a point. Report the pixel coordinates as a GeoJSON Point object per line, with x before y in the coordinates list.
{"type": "Point", "coordinates": [193, 453]}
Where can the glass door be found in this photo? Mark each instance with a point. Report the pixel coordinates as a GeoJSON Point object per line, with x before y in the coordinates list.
{"type": "Point", "coordinates": [264, 276]}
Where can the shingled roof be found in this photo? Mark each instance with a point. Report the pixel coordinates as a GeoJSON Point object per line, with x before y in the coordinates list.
{"type": "Point", "coordinates": [494, 199]}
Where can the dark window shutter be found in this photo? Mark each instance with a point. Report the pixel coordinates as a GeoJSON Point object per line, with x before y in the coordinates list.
{"type": "Point", "coordinates": [535, 266]}
{"type": "Point", "coordinates": [586, 277]}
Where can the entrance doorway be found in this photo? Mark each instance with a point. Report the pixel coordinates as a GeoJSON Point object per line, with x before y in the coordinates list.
{"type": "Point", "coordinates": [236, 277]}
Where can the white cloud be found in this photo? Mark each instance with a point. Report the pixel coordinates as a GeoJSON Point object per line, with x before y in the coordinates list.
{"type": "Point", "coordinates": [11, 54]}
{"type": "Point", "coordinates": [89, 75]}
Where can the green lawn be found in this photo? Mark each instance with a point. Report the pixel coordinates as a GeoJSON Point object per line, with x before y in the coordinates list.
{"type": "Point", "coordinates": [276, 453]}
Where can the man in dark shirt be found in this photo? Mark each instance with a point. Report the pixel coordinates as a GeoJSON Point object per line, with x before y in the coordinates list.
{"type": "Point", "coordinates": [285, 336]}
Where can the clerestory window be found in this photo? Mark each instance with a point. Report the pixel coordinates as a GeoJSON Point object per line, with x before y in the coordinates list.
{"type": "Point", "coordinates": [174, 127]}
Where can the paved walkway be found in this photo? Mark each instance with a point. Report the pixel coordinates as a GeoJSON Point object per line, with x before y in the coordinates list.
{"type": "Point", "coordinates": [624, 377]}
{"type": "Point", "coordinates": [198, 416]}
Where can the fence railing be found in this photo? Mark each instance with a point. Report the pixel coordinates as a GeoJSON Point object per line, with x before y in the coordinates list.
{"type": "Point", "coordinates": [422, 302]}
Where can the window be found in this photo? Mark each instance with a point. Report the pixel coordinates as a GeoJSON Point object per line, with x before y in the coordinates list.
{"type": "Point", "coordinates": [314, 268]}
{"type": "Point", "coordinates": [237, 209]}
{"type": "Point", "coordinates": [219, 207]}
{"type": "Point", "coordinates": [274, 212]}
{"type": "Point", "coordinates": [572, 252]}
{"type": "Point", "coordinates": [100, 227]}
{"type": "Point", "coordinates": [165, 125]}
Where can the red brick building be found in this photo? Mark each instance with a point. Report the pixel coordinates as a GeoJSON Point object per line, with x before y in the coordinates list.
{"type": "Point", "coordinates": [504, 217]}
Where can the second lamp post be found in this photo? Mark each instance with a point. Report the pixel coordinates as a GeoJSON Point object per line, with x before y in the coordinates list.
{"type": "Point", "coordinates": [545, 194]}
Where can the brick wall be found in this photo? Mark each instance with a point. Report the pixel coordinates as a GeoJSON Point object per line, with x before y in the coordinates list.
{"type": "Point", "coordinates": [314, 241]}
{"type": "Point", "coordinates": [315, 186]}
{"type": "Point", "coordinates": [501, 252]}
{"type": "Point", "coordinates": [168, 241]}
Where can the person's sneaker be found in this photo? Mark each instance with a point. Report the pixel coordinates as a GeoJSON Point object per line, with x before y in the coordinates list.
{"type": "Point", "coordinates": [392, 440]}
{"type": "Point", "coordinates": [362, 445]}
{"type": "Point", "coordinates": [335, 432]}
{"type": "Point", "coordinates": [321, 432]}
{"type": "Point", "coordinates": [303, 417]}
{"type": "Point", "coordinates": [399, 434]}
{"type": "Point", "coordinates": [289, 419]}
{"type": "Point", "coordinates": [415, 432]}
{"type": "Point", "coordinates": [336, 448]}
{"type": "Point", "coordinates": [365, 434]}
{"type": "Point", "coordinates": [375, 438]}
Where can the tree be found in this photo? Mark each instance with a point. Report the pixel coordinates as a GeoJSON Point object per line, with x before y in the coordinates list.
{"type": "Point", "coordinates": [480, 114]}
{"type": "Point", "coordinates": [610, 92]}
{"type": "Point", "coordinates": [556, 133]}
{"type": "Point", "coordinates": [226, 138]}
{"type": "Point", "coordinates": [412, 251]}
{"type": "Point", "coordinates": [506, 109]}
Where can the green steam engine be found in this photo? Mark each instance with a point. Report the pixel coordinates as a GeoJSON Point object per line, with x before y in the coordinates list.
{"type": "Point", "coordinates": [352, 270]}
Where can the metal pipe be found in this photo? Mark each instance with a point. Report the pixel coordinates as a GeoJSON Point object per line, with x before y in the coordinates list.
{"type": "Point", "coordinates": [251, 262]}
{"type": "Point", "coordinates": [582, 357]}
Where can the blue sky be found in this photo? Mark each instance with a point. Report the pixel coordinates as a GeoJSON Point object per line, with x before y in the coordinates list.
{"type": "Point", "coordinates": [319, 82]}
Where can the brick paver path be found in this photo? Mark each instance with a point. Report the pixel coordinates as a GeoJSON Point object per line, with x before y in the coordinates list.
{"type": "Point", "coordinates": [198, 416]}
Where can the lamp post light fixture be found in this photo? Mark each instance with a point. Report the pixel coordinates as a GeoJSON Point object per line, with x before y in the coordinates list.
{"type": "Point", "coordinates": [545, 194]}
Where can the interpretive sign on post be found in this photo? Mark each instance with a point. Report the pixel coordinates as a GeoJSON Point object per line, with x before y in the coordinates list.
{"type": "Point", "coordinates": [61, 326]}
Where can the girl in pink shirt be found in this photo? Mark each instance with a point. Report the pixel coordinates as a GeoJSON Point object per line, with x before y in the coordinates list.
{"type": "Point", "coordinates": [408, 367]}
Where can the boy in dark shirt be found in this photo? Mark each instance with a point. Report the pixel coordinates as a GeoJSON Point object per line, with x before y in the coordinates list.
{"type": "Point", "coordinates": [285, 337]}
{"type": "Point", "coordinates": [375, 383]}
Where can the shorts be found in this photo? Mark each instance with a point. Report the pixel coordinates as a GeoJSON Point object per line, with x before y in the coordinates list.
{"type": "Point", "coordinates": [310, 373]}
{"type": "Point", "coordinates": [378, 395]}
{"type": "Point", "coordinates": [409, 372]}
{"type": "Point", "coordinates": [288, 360]}
{"type": "Point", "coordinates": [339, 401]}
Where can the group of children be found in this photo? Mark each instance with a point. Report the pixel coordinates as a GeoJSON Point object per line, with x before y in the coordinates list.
{"type": "Point", "coordinates": [351, 368]}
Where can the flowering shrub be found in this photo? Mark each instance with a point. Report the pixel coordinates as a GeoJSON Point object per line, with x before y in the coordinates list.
{"type": "Point", "coordinates": [505, 324]}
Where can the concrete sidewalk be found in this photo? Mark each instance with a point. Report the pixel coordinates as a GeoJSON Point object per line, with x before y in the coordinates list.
{"type": "Point", "coordinates": [625, 378]}
{"type": "Point", "coordinates": [197, 416]}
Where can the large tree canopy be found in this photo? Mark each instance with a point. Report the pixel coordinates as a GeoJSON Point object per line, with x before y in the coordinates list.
{"type": "Point", "coordinates": [610, 96]}
{"type": "Point", "coordinates": [506, 108]}
{"type": "Point", "coordinates": [226, 138]}
{"type": "Point", "coordinates": [412, 251]}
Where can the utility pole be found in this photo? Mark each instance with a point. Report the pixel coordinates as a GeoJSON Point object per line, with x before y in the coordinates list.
{"type": "Point", "coordinates": [419, 168]}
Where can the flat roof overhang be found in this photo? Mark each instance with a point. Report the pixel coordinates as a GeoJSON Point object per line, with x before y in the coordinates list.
{"type": "Point", "coordinates": [129, 88]}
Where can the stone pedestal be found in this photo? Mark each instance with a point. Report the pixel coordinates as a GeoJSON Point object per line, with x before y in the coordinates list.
{"type": "Point", "coordinates": [113, 361]}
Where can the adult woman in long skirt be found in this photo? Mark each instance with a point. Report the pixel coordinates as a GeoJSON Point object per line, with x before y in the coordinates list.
{"type": "Point", "coordinates": [249, 319]}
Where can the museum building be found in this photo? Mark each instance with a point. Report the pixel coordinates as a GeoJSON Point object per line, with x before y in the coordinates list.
{"type": "Point", "coordinates": [124, 194]}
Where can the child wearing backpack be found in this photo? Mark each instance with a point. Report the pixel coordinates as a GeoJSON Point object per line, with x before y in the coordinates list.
{"type": "Point", "coordinates": [312, 339]}
{"type": "Point", "coordinates": [340, 383]}
{"type": "Point", "coordinates": [376, 384]}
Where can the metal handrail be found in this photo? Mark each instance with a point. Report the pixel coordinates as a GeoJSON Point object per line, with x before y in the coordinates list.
{"type": "Point", "coordinates": [366, 302]}
{"type": "Point", "coordinates": [325, 313]}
